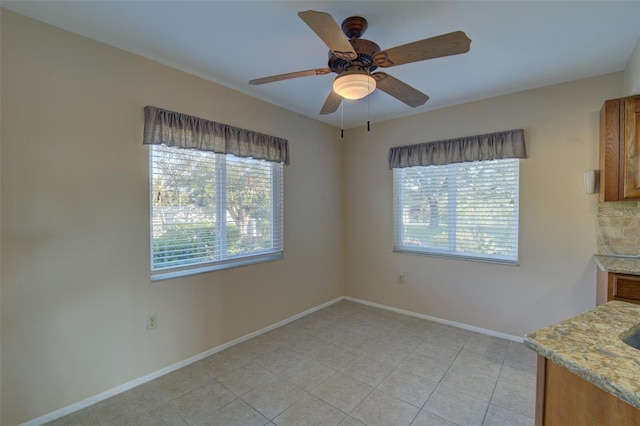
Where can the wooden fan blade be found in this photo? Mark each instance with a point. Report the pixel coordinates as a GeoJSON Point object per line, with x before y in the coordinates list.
{"type": "Point", "coordinates": [331, 104]}
{"type": "Point", "coordinates": [435, 47]}
{"type": "Point", "coordinates": [399, 90]}
{"type": "Point", "coordinates": [319, 71]}
{"type": "Point", "coordinates": [328, 30]}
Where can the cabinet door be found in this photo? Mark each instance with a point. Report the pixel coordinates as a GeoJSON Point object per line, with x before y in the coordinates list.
{"type": "Point", "coordinates": [630, 133]}
{"type": "Point", "coordinates": [610, 176]}
{"type": "Point", "coordinates": [625, 288]}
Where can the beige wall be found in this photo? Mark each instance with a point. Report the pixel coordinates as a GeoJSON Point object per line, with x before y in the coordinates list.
{"type": "Point", "coordinates": [75, 222]}
{"type": "Point", "coordinates": [556, 276]}
{"type": "Point", "coordinates": [631, 80]}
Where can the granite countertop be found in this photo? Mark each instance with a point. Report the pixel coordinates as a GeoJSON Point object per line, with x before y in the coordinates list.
{"type": "Point", "coordinates": [621, 265]}
{"type": "Point", "coordinates": [588, 345]}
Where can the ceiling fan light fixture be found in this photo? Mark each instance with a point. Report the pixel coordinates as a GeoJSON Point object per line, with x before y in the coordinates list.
{"type": "Point", "coordinates": [354, 85]}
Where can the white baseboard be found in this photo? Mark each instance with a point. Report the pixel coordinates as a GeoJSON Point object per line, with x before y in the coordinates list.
{"type": "Point", "coordinates": [154, 375]}
{"type": "Point", "coordinates": [439, 320]}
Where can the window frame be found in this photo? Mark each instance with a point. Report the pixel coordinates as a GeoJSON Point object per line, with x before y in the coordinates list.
{"type": "Point", "coordinates": [276, 252]}
{"type": "Point", "coordinates": [399, 229]}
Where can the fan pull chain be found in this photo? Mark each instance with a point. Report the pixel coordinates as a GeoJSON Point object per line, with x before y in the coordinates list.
{"type": "Point", "coordinates": [342, 119]}
{"type": "Point", "coordinates": [368, 97]}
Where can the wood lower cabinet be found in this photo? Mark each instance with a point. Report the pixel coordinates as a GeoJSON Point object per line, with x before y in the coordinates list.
{"type": "Point", "coordinates": [620, 149]}
{"type": "Point", "coordinates": [614, 286]}
{"type": "Point", "coordinates": [565, 399]}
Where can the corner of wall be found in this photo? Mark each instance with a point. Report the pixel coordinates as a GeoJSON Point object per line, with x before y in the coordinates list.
{"type": "Point", "coordinates": [631, 75]}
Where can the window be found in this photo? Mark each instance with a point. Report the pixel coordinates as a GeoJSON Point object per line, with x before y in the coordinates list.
{"type": "Point", "coordinates": [212, 211]}
{"type": "Point", "coordinates": [467, 210]}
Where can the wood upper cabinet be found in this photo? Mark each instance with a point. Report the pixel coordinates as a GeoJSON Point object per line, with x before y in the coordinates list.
{"type": "Point", "coordinates": [620, 149]}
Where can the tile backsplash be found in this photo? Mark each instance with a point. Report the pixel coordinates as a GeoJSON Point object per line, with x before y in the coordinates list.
{"type": "Point", "coordinates": [618, 227]}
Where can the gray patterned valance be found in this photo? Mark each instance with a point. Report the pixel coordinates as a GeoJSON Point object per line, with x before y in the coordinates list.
{"type": "Point", "coordinates": [186, 131]}
{"type": "Point", "coordinates": [492, 146]}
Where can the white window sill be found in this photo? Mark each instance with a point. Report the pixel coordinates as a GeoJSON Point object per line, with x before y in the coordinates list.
{"type": "Point", "coordinates": [447, 255]}
{"type": "Point", "coordinates": [194, 270]}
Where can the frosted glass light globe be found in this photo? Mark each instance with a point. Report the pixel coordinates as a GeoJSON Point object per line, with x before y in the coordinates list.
{"type": "Point", "coordinates": [354, 85]}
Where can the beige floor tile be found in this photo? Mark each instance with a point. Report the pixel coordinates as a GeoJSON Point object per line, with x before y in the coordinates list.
{"type": "Point", "coordinates": [334, 356]}
{"type": "Point", "coordinates": [244, 379]}
{"type": "Point", "coordinates": [85, 417]}
{"type": "Point", "coordinates": [254, 347]}
{"type": "Point", "coordinates": [488, 346]}
{"type": "Point", "coordinates": [521, 357]}
{"type": "Point", "coordinates": [316, 325]}
{"type": "Point", "coordinates": [498, 416]}
{"type": "Point", "coordinates": [521, 377]}
{"type": "Point", "coordinates": [353, 341]}
{"type": "Point", "coordinates": [224, 362]}
{"type": "Point", "coordinates": [342, 392]}
{"type": "Point", "coordinates": [350, 421]}
{"type": "Point", "coordinates": [403, 340]}
{"type": "Point", "coordinates": [386, 352]}
{"type": "Point", "coordinates": [446, 353]}
{"type": "Point", "coordinates": [182, 380]}
{"type": "Point", "coordinates": [303, 343]}
{"type": "Point", "coordinates": [474, 337]}
{"type": "Point", "coordinates": [407, 387]}
{"type": "Point", "coordinates": [470, 382]}
{"type": "Point", "coordinates": [468, 361]}
{"type": "Point", "coordinates": [308, 374]}
{"type": "Point", "coordinates": [425, 366]}
{"type": "Point", "coordinates": [456, 407]}
{"type": "Point", "coordinates": [455, 339]}
{"type": "Point", "coordinates": [329, 332]}
{"type": "Point", "coordinates": [417, 328]}
{"type": "Point", "coordinates": [380, 409]}
{"type": "Point", "coordinates": [237, 413]}
{"type": "Point", "coordinates": [519, 351]}
{"type": "Point", "coordinates": [271, 399]}
{"type": "Point", "coordinates": [353, 322]}
{"type": "Point", "coordinates": [310, 411]}
{"type": "Point", "coordinates": [367, 370]}
{"type": "Point", "coordinates": [424, 418]}
{"type": "Point", "coordinates": [278, 360]}
{"type": "Point", "coordinates": [303, 324]}
{"type": "Point", "coordinates": [515, 397]}
{"type": "Point", "coordinates": [163, 415]}
{"type": "Point", "coordinates": [130, 403]}
{"type": "Point", "coordinates": [374, 329]}
{"type": "Point", "coordinates": [202, 401]}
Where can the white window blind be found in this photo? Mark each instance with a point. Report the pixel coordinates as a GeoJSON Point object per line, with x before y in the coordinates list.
{"type": "Point", "coordinates": [467, 210]}
{"type": "Point", "coordinates": [212, 211]}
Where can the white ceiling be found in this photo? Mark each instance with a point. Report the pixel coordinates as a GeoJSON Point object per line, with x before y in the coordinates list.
{"type": "Point", "coordinates": [516, 45]}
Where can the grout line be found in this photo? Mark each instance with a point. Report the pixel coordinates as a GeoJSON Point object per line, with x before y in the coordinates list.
{"type": "Point", "coordinates": [484, 418]}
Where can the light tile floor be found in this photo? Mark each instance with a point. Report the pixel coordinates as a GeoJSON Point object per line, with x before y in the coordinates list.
{"type": "Point", "coordinates": [347, 364]}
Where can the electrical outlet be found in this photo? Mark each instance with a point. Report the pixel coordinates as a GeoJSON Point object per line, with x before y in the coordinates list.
{"type": "Point", "coordinates": [152, 321]}
{"type": "Point", "coordinates": [401, 279]}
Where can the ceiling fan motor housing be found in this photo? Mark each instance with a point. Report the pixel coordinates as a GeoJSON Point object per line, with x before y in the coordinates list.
{"type": "Point", "coordinates": [365, 50]}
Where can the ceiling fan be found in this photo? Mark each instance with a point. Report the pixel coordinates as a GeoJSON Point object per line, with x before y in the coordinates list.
{"type": "Point", "coordinates": [354, 59]}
